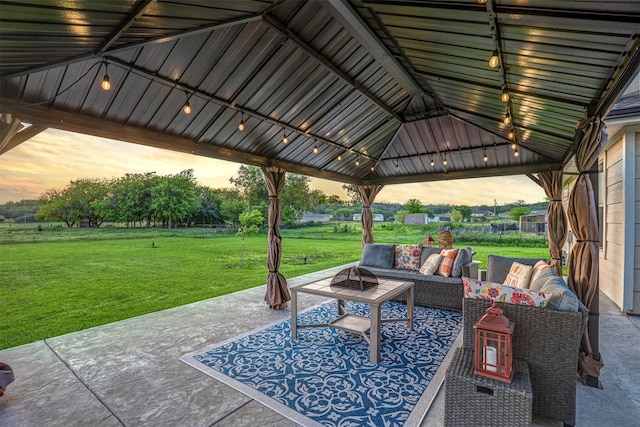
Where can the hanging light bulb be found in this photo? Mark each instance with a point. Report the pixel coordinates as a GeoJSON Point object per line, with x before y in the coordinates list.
{"type": "Point", "coordinates": [285, 140]}
{"type": "Point", "coordinates": [494, 61]}
{"type": "Point", "coordinates": [507, 119]}
{"type": "Point", "coordinates": [505, 96]}
{"type": "Point", "coordinates": [444, 161]}
{"type": "Point", "coordinates": [357, 162]}
{"type": "Point", "coordinates": [513, 146]}
{"type": "Point", "coordinates": [106, 82]}
{"type": "Point", "coordinates": [515, 153]}
{"type": "Point", "coordinates": [485, 157]}
{"type": "Point", "coordinates": [397, 165]}
{"type": "Point", "coordinates": [432, 162]}
{"type": "Point", "coordinates": [373, 168]}
{"type": "Point", "coordinates": [186, 108]}
{"type": "Point", "coordinates": [511, 135]}
{"type": "Point", "coordinates": [315, 149]}
{"type": "Point", "coordinates": [339, 157]}
{"type": "Point", "coordinates": [241, 125]}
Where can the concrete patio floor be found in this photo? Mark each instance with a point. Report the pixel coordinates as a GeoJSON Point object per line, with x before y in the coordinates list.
{"type": "Point", "coordinates": [128, 373]}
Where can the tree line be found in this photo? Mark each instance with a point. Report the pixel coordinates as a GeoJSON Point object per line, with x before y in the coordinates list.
{"type": "Point", "coordinates": [147, 199]}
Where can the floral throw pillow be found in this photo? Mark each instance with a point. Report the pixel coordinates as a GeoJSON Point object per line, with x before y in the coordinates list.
{"type": "Point", "coordinates": [407, 257]}
{"type": "Point", "coordinates": [518, 275]}
{"type": "Point", "coordinates": [446, 265]}
{"type": "Point", "coordinates": [488, 291]}
{"type": "Point", "coordinates": [431, 264]}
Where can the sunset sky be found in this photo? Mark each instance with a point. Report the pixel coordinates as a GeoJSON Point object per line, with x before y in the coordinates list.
{"type": "Point", "coordinates": [53, 158]}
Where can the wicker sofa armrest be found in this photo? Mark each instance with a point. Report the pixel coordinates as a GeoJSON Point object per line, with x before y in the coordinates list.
{"type": "Point", "coordinates": [470, 269]}
{"type": "Point", "coordinates": [549, 341]}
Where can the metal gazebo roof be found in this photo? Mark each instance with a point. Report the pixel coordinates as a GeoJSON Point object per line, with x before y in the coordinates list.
{"type": "Point", "coordinates": [387, 91]}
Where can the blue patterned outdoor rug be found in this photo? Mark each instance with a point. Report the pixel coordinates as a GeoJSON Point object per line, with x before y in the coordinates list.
{"type": "Point", "coordinates": [325, 379]}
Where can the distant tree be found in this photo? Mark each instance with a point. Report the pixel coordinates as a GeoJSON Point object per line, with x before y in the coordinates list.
{"type": "Point", "coordinates": [353, 195]}
{"type": "Point", "coordinates": [175, 198]}
{"type": "Point", "coordinates": [251, 222]}
{"type": "Point", "coordinates": [466, 212]}
{"type": "Point", "coordinates": [518, 211]}
{"type": "Point", "coordinates": [414, 206]}
{"type": "Point", "coordinates": [132, 198]}
{"type": "Point", "coordinates": [456, 215]}
{"type": "Point", "coordinates": [400, 216]}
{"type": "Point", "coordinates": [249, 183]}
{"type": "Point", "coordinates": [210, 202]}
{"type": "Point", "coordinates": [56, 205]}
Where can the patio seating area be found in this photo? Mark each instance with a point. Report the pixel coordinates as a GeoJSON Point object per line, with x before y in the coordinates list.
{"type": "Point", "coordinates": [129, 373]}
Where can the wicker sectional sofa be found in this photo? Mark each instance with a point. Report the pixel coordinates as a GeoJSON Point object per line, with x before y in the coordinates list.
{"type": "Point", "coordinates": [431, 290]}
{"type": "Point", "coordinates": [547, 339]}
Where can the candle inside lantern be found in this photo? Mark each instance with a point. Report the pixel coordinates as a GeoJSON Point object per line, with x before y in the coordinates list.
{"type": "Point", "coordinates": [491, 358]}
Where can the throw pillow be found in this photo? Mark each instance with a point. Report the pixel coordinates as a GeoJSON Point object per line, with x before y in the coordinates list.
{"type": "Point", "coordinates": [488, 291]}
{"type": "Point", "coordinates": [561, 296]}
{"type": "Point", "coordinates": [464, 256]}
{"type": "Point", "coordinates": [446, 264]}
{"type": "Point", "coordinates": [537, 269]}
{"type": "Point", "coordinates": [431, 264]}
{"type": "Point", "coordinates": [518, 275]}
{"type": "Point", "coordinates": [376, 255]}
{"type": "Point", "coordinates": [407, 257]}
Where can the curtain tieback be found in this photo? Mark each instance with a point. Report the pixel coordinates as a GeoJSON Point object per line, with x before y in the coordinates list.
{"type": "Point", "coordinates": [555, 200]}
{"type": "Point", "coordinates": [272, 196]}
{"type": "Point", "coordinates": [585, 240]}
{"type": "Point", "coordinates": [274, 271]}
{"type": "Point", "coordinates": [557, 259]}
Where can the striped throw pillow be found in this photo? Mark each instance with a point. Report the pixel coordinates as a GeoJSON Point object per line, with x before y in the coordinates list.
{"type": "Point", "coordinates": [446, 264]}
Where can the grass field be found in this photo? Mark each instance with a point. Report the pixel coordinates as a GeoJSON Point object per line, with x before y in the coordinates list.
{"type": "Point", "coordinates": [49, 289]}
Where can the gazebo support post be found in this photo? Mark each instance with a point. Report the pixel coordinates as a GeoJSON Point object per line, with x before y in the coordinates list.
{"type": "Point", "coordinates": [594, 310]}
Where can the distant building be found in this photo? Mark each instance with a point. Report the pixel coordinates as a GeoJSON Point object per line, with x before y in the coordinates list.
{"type": "Point", "coordinates": [309, 216]}
{"type": "Point", "coordinates": [535, 222]}
{"type": "Point", "coordinates": [376, 217]}
{"type": "Point", "coordinates": [420, 218]}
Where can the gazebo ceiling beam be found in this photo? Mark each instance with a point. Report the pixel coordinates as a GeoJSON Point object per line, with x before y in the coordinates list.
{"type": "Point", "coordinates": [353, 23]}
{"type": "Point", "coordinates": [314, 54]}
{"type": "Point", "coordinates": [124, 26]}
{"type": "Point", "coordinates": [20, 137]}
{"type": "Point", "coordinates": [98, 127]}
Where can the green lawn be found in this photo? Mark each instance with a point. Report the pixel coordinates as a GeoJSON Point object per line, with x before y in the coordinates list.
{"type": "Point", "coordinates": [49, 289]}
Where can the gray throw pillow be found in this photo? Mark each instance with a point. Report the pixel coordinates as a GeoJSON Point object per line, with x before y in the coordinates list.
{"type": "Point", "coordinates": [561, 296]}
{"type": "Point", "coordinates": [426, 252]}
{"type": "Point", "coordinates": [464, 256]}
{"type": "Point", "coordinates": [377, 255]}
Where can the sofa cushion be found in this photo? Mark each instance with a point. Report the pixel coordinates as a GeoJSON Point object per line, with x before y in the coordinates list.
{"type": "Point", "coordinates": [489, 291]}
{"type": "Point", "coordinates": [498, 266]}
{"type": "Point", "coordinates": [537, 269]}
{"type": "Point", "coordinates": [376, 255]}
{"type": "Point", "coordinates": [431, 264]}
{"type": "Point", "coordinates": [397, 274]}
{"type": "Point", "coordinates": [427, 251]}
{"type": "Point", "coordinates": [561, 296]}
{"type": "Point", "coordinates": [518, 275]}
{"type": "Point", "coordinates": [407, 257]}
{"type": "Point", "coordinates": [464, 257]}
{"type": "Point", "coordinates": [446, 264]}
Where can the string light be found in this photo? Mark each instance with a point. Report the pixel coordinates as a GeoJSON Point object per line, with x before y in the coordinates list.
{"type": "Point", "coordinates": [444, 161]}
{"type": "Point", "coordinates": [515, 153]}
{"type": "Point", "coordinates": [494, 61]}
{"type": "Point", "coordinates": [284, 137]}
{"type": "Point", "coordinates": [507, 119]}
{"type": "Point", "coordinates": [511, 135]}
{"type": "Point", "coordinates": [373, 168]}
{"type": "Point", "coordinates": [315, 149]}
{"type": "Point", "coordinates": [514, 146]}
{"type": "Point", "coordinates": [241, 125]}
{"type": "Point", "coordinates": [339, 157]}
{"type": "Point", "coordinates": [397, 165]}
{"type": "Point", "coordinates": [186, 108]}
{"type": "Point", "coordinates": [106, 82]}
{"type": "Point", "coordinates": [432, 162]}
{"type": "Point", "coordinates": [505, 95]}
{"type": "Point", "coordinates": [485, 157]}
{"type": "Point", "coordinates": [357, 162]}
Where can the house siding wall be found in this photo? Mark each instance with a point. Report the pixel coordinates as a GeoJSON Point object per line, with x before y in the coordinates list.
{"type": "Point", "coordinates": [612, 255]}
{"type": "Point", "coordinates": [636, 252]}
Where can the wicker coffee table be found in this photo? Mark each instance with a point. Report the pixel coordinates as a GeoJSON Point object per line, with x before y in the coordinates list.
{"type": "Point", "coordinates": [374, 297]}
{"type": "Point", "coordinates": [474, 400]}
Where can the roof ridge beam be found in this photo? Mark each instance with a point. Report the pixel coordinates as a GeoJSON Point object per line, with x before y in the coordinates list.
{"type": "Point", "coordinates": [354, 24]}
{"type": "Point", "coordinates": [282, 29]}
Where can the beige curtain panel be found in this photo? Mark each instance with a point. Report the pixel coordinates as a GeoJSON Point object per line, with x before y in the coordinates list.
{"type": "Point", "coordinates": [551, 181]}
{"type": "Point", "coordinates": [368, 194]}
{"type": "Point", "coordinates": [583, 217]}
{"type": "Point", "coordinates": [277, 292]}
